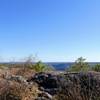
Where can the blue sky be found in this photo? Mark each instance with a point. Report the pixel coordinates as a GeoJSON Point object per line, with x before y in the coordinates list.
{"type": "Point", "coordinates": [54, 30]}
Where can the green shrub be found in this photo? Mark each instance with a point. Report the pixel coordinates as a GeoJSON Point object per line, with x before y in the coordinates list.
{"type": "Point", "coordinates": [96, 68]}
{"type": "Point", "coordinates": [79, 65]}
{"type": "Point", "coordinates": [2, 66]}
{"type": "Point", "coordinates": [41, 67]}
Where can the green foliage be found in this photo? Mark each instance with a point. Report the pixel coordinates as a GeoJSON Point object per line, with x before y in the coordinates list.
{"type": "Point", "coordinates": [79, 65]}
{"type": "Point", "coordinates": [3, 66]}
{"type": "Point", "coordinates": [96, 68]}
{"type": "Point", "coordinates": [41, 67]}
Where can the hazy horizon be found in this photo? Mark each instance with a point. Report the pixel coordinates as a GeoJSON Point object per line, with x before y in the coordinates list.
{"type": "Point", "coordinates": [54, 30]}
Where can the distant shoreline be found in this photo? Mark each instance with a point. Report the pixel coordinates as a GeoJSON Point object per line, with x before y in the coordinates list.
{"type": "Point", "coordinates": [59, 66]}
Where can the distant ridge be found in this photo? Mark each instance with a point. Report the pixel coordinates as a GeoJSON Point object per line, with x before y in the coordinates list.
{"type": "Point", "coordinates": [57, 65]}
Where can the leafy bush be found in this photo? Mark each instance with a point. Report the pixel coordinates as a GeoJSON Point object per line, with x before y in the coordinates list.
{"type": "Point", "coordinates": [41, 67]}
{"type": "Point", "coordinates": [96, 68]}
{"type": "Point", "coordinates": [79, 65]}
{"type": "Point", "coordinates": [3, 66]}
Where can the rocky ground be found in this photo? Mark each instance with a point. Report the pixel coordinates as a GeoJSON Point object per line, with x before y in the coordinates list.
{"type": "Point", "coordinates": [25, 84]}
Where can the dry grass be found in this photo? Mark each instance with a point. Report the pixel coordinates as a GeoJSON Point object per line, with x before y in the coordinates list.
{"type": "Point", "coordinates": [80, 87]}
{"type": "Point", "coordinates": [13, 90]}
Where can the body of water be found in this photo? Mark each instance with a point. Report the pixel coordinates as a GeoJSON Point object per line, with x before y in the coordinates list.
{"type": "Point", "coordinates": [58, 65]}
{"type": "Point", "coordinates": [64, 65]}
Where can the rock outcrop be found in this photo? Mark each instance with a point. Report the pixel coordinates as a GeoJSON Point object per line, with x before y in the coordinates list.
{"type": "Point", "coordinates": [69, 86]}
